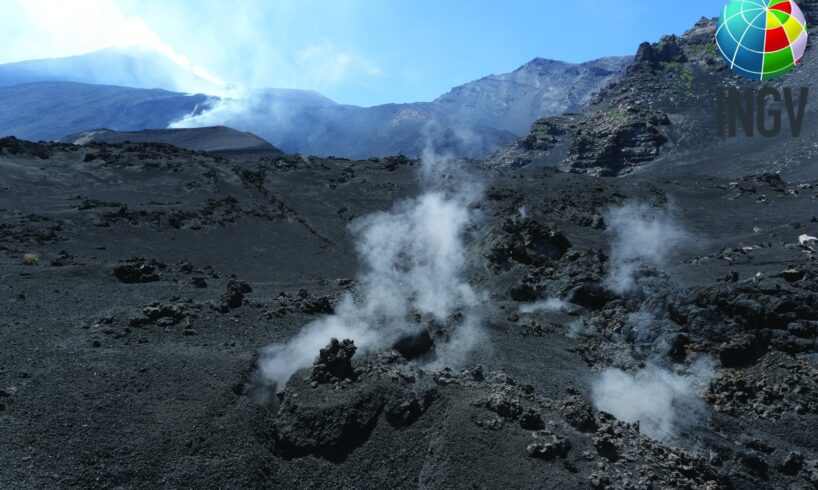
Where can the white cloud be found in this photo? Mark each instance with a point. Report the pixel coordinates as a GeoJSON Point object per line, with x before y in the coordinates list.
{"type": "Point", "coordinates": [252, 44]}
{"type": "Point", "coordinates": [34, 29]}
{"type": "Point", "coordinates": [56, 28]}
{"type": "Point", "coordinates": [323, 65]}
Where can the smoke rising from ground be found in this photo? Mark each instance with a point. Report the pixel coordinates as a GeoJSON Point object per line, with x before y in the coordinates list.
{"type": "Point", "coordinates": [546, 305]}
{"type": "Point", "coordinates": [306, 122]}
{"type": "Point", "coordinates": [663, 402]}
{"type": "Point", "coordinates": [642, 236]}
{"type": "Point", "coordinates": [292, 120]}
{"type": "Point", "coordinates": [412, 257]}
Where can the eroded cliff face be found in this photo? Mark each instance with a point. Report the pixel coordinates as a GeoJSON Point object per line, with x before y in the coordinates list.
{"type": "Point", "coordinates": [662, 112]}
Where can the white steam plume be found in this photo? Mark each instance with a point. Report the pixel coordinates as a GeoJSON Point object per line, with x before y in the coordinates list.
{"type": "Point", "coordinates": [546, 305]}
{"type": "Point", "coordinates": [641, 236]}
{"type": "Point", "coordinates": [412, 259]}
{"type": "Point", "coordinates": [664, 403]}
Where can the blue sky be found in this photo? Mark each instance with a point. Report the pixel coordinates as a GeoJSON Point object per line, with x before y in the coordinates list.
{"type": "Point", "coordinates": [363, 52]}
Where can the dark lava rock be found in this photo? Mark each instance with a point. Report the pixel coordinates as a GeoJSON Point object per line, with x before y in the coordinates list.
{"type": "Point", "coordinates": [774, 387]}
{"type": "Point", "coordinates": [792, 464]}
{"type": "Point", "coordinates": [591, 296]}
{"type": "Point", "coordinates": [755, 462]}
{"type": "Point", "coordinates": [402, 412]}
{"type": "Point", "coordinates": [505, 402]}
{"type": "Point", "coordinates": [741, 352]}
{"type": "Point", "coordinates": [156, 311]}
{"type": "Point", "coordinates": [13, 146]}
{"type": "Point", "coordinates": [528, 242]}
{"type": "Point", "coordinates": [330, 429]}
{"type": "Point", "coordinates": [164, 315]}
{"type": "Point", "coordinates": [414, 346]}
{"type": "Point", "coordinates": [669, 50]}
{"type": "Point", "coordinates": [5, 397]}
{"type": "Point", "coordinates": [578, 413]}
{"type": "Point", "coordinates": [606, 447]}
{"type": "Point", "coordinates": [617, 140]}
{"type": "Point", "coordinates": [524, 293]}
{"type": "Point", "coordinates": [234, 296]}
{"type": "Point", "coordinates": [304, 302]}
{"type": "Point", "coordinates": [138, 271]}
{"type": "Point", "coordinates": [334, 362]}
{"type": "Point", "coordinates": [330, 420]}
{"type": "Point", "coordinates": [186, 267]}
{"type": "Point", "coordinates": [792, 275]}
{"type": "Point", "coordinates": [677, 347]}
{"type": "Point", "coordinates": [531, 420]}
{"type": "Point", "coordinates": [321, 305]}
{"type": "Point", "coordinates": [549, 446]}
{"type": "Point", "coordinates": [576, 269]}
{"type": "Point", "coordinates": [545, 134]}
{"type": "Point", "coordinates": [761, 313]}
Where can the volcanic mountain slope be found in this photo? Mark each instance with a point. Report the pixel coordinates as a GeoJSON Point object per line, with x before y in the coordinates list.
{"type": "Point", "coordinates": [218, 139]}
{"type": "Point", "coordinates": [512, 100]}
{"type": "Point", "coordinates": [52, 110]}
{"type": "Point", "coordinates": [141, 281]}
{"type": "Point", "coordinates": [125, 67]}
{"type": "Point", "coordinates": [470, 121]}
{"type": "Point", "coordinates": [662, 114]}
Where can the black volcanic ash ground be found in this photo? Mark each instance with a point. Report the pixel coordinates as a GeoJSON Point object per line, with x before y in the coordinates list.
{"type": "Point", "coordinates": [155, 275]}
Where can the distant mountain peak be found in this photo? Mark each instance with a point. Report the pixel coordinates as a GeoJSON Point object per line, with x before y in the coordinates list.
{"type": "Point", "coordinates": [541, 86]}
{"type": "Point", "coordinates": [133, 67]}
{"type": "Point", "coordinates": [660, 117]}
{"type": "Point", "coordinates": [72, 95]}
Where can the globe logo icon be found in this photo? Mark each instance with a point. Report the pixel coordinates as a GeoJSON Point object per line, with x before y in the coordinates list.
{"type": "Point", "coordinates": [762, 39]}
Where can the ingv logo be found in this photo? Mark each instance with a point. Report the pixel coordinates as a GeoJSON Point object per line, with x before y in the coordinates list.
{"type": "Point", "coordinates": [761, 40]}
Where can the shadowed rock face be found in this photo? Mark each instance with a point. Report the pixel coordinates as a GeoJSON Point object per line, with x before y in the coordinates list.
{"type": "Point", "coordinates": [662, 113]}
{"type": "Point", "coordinates": [513, 100]}
{"type": "Point", "coordinates": [617, 141]}
{"type": "Point", "coordinates": [334, 362]}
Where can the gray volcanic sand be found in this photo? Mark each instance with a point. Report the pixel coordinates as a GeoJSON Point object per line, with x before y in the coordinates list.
{"type": "Point", "coordinates": [129, 346]}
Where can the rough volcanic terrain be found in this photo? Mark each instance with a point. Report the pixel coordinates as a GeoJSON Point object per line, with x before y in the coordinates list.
{"type": "Point", "coordinates": [618, 300]}
{"type": "Point", "coordinates": [217, 140]}
{"type": "Point", "coordinates": [660, 117]}
{"type": "Point", "coordinates": [141, 283]}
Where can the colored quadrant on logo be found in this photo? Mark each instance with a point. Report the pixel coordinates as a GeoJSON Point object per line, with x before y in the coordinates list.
{"type": "Point", "coordinates": [776, 40]}
{"type": "Point", "coordinates": [778, 61]}
{"type": "Point", "coordinates": [762, 39]}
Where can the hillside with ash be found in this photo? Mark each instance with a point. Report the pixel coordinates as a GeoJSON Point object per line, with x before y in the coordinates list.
{"type": "Point", "coordinates": [660, 118]}
{"type": "Point", "coordinates": [177, 318]}
{"type": "Point", "coordinates": [621, 299]}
